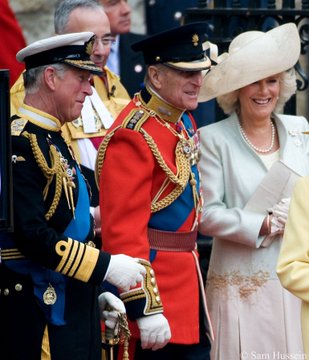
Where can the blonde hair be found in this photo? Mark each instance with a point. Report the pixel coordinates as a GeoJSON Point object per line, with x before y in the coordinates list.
{"type": "Point", "coordinates": [229, 102]}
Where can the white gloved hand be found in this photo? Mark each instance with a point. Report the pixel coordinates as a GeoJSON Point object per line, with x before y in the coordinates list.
{"type": "Point", "coordinates": [279, 215]}
{"type": "Point", "coordinates": [124, 272]}
{"type": "Point", "coordinates": [110, 305]}
{"type": "Point", "coordinates": [154, 330]}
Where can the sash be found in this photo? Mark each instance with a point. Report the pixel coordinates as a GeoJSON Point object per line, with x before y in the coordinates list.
{"type": "Point", "coordinates": [46, 279]}
{"type": "Point", "coordinates": [176, 214]}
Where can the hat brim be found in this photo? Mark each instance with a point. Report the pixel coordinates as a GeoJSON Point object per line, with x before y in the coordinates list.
{"type": "Point", "coordinates": [70, 49]}
{"type": "Point", "coordinates": [198, 65]}
{"type": "Point", "coordinates": [84, 65]}
{"type": "Point", "coordinates": [271, 53]}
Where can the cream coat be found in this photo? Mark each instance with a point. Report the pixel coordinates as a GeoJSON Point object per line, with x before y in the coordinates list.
{"type": "Point", "coordinates": [293, 262]}
{"type": "Point", "coordinates": [243, 290]}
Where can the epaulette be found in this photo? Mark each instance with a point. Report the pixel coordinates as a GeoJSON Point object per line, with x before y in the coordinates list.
{"type": "Point", "coordinates": [17, 126]}
{"type": "Point", "coordinates": [135, 119]}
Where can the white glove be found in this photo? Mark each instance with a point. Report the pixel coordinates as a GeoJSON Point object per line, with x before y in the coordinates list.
{"type": "Point", "coordinates": [279, 216]}
{"type": "Point", "coordinates": [154, 330]}
{"type": "Point", "coordinates": [124, 272]}
{"type": "Point", "coordinates": [110, 305]}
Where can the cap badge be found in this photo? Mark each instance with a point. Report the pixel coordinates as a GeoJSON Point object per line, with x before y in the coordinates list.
{"type": "Point", "coordinates": [195, 39]}
{"type": "Point", "coordinates": [158, 58]}
{"type": "Point", "coordinates": [89, 45]}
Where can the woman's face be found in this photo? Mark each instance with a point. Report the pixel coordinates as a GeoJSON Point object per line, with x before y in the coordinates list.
{"type": "Point", "coordinates": [259, 99]}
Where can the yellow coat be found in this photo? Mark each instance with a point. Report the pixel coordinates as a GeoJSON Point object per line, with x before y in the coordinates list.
{"type": "Point", "coordinates": [293, 261]}
{"type": "Point", "coordinates": [115, 98]}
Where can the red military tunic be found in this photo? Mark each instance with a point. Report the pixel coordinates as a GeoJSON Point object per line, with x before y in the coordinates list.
{"type": "Point", "coordinates": [136, 193]}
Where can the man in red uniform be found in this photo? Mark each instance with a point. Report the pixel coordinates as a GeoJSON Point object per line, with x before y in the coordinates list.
{"type": "Point", "coordinates": [150, 197]}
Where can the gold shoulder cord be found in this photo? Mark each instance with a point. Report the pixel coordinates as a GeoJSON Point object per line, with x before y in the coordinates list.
{"type": "Point", "coordinates": [182, 164]}
{"type": "Point", "coordinates": [49, 172]}
{"type": "Point", "coordinates": [180, 180]}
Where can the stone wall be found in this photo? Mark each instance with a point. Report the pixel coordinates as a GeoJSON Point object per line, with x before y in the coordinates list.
{"type": "Point", "coordinates": [35, 17]}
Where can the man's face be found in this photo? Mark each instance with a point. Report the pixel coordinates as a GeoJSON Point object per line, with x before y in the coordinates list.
{"type": "Point", "coordinates": [179, 88]}
{"type": "Point", "coordinates": [119, 14]}
{"type": "Point", "coordinates": [97, 22]}
{"type": "Point", "coordinates": [70, 90]}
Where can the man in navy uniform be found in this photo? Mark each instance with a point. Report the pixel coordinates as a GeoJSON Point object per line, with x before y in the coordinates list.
{"type": "Point", "coordinates": [51, 268]}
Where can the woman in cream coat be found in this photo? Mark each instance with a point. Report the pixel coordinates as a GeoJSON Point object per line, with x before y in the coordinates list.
{"type": "Point", "coordinates": [252, 315]}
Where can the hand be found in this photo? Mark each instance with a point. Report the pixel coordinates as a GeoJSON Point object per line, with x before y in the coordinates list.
{"type": "Point", "coordinates": [97, 220]}
{"type": "Point", "coordinates": [124, 272]}
{"type": "Point", "coordinates": [154, 330]}
{"type": "Point", "coordinates": [279, 215]}
{"type": "Point", "coordinates": [110, 305]}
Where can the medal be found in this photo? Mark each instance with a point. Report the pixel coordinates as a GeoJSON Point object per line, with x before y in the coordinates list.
{"type": "Point", "coordinates": [50, 296]}
{"type": "Point", "coordinates": [186, 148]}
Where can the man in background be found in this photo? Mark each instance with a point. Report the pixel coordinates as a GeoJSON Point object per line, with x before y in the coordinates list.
{"type": "Point", "coordinates": [129, 65]}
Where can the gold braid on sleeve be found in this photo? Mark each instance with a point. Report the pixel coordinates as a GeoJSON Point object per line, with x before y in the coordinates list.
{"type": "Point", "coordinates": [49, 172]}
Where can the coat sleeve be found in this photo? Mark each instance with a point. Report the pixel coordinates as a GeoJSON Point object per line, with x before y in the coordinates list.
{"type": "Point", "coordinates": [293, 261]}
{"type": "Point", "coordinates": [126, 183]}
{"type": "Point", "coordinates": [43, 241]}
{"type": "Point", "coordinates": [125, 194]}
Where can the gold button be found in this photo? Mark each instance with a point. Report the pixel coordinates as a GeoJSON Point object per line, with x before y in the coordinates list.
{"type": "Point", "coordinates": [18, 287]}
{"type": "Point", "coordinates": [151, 272]}
{"type": "Point", "coordinates": [158, 300]}
{"type": "Point", "coordinates": [158, 58]}
{"type": "Point", "coordinates": [6, 292]}
{"type": "Point", "coordinates": [155, 290]}
{"type": "Point", "coordinates": [153, 281]}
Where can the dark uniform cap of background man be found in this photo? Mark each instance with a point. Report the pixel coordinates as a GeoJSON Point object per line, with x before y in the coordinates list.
{"type": "Point", "coordinates": [70, 49]}
{"type": "Point", "coordinates": [180, 47]}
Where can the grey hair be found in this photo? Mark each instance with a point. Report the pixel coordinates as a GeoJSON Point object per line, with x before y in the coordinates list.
{"type": "Point", "coordinates": [229, 102]}
{"type": "Point", "coordinates": [33, 77]}
{"type": "Point", "coordinates": [65, 7]}
{"type": "Point", "coordinates": [159, 66]}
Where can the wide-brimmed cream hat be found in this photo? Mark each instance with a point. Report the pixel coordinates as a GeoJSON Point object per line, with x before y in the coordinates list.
{"type": "Point", "coordinates": [252, 56]}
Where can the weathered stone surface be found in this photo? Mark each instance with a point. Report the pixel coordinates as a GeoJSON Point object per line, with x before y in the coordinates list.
{"type": "Point", "coordinates": [35, 17]}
